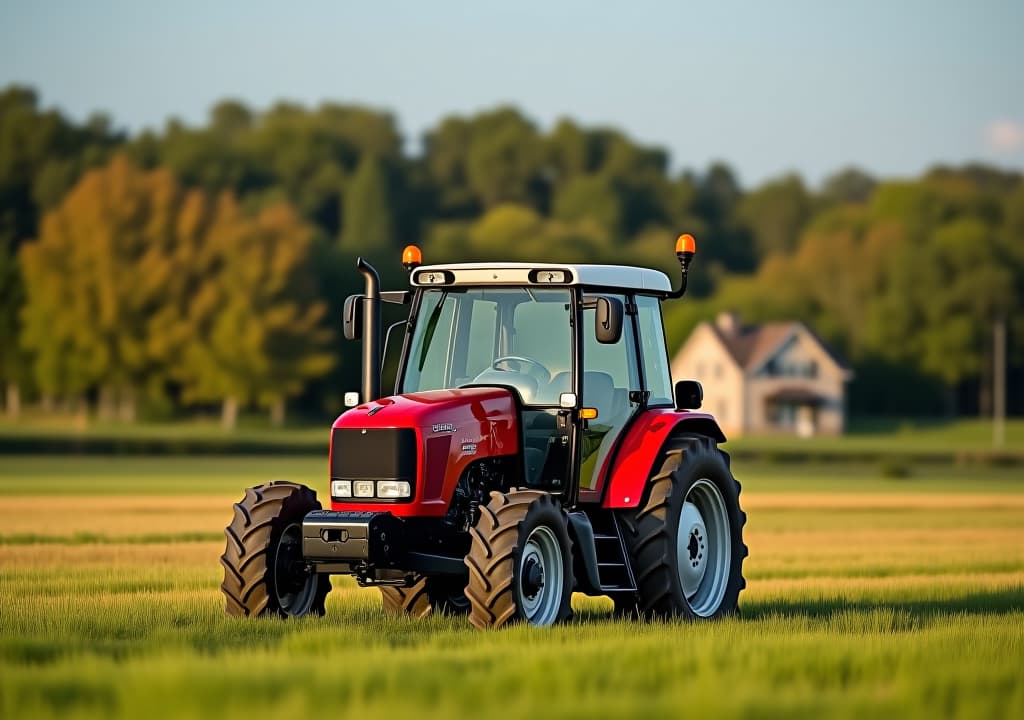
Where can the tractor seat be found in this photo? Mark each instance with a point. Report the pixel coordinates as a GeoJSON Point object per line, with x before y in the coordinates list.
{"type": "Point", "coordinates": [523, 384]}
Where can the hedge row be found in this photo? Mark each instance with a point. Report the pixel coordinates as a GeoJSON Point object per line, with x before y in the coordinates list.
{"type": "Point", "coordinates": [57, 445]}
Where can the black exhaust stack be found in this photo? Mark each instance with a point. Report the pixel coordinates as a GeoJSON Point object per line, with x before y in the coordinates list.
{"type": "Point", "coordinates": [686, 248]}
{"type": "Point", "coordinates": [371, 331]}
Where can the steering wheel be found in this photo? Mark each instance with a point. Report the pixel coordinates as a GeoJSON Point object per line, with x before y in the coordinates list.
{"type": "Point", "coordinates": [546, 374]}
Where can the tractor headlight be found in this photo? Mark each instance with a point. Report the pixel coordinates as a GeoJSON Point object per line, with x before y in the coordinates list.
{"type": "Point", "coordinates": [363, 488]}
{"type": "Point", "coordinates": [393, 489]}
{"type": "Point", "coordinates": [341, 488]}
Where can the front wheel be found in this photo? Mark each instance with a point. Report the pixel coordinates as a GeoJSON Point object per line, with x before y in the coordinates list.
{"type": "Point", "coordinates": [686, 538]}
{"type": "Point", "coordinates": [264, 572]}
{"type": "Point", "coordinates": [520, 561]}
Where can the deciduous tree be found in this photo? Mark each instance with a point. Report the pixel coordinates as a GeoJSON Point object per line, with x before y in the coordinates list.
{"type": "Point", "coordinates": [255, 325]}
{"type": "Point", "coordinates": [95, 280]}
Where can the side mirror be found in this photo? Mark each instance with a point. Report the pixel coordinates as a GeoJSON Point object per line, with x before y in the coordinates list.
{"type": "Point", "coordinates": [689, 395]}
{"type": "Point", "coordinates": [353, 320]}
{"type": "Point", "coordinates": [608, 320]}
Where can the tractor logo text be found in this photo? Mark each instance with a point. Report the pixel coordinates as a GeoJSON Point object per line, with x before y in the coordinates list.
{"type": "Point", "coordinates": [443, 427]}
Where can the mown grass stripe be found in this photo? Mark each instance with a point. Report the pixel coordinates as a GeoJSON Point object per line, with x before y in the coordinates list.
{"type": "Point", "coordinates": [98, 539]}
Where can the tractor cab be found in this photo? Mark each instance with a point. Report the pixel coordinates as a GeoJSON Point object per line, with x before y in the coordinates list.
{"type": "Point", "coordinates": [580, 348]}
{"type": "Point", "coordinates": [529, 396]}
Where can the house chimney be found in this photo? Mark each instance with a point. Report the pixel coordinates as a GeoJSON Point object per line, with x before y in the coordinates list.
{"type": "Point", "coordinates": [728, 322]}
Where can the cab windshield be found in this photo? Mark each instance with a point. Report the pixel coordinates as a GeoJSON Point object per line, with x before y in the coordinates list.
{"type": "Point", "coordinates": [518, 337]}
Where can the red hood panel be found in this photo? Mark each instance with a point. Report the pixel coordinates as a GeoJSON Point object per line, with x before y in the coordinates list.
{"type": "Point", "coordinates": [454, 428]}
{"type": "Point", "coordinates": [426, 409]}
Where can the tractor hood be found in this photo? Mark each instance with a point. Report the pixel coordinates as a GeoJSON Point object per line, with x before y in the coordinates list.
{"type": "Point", "coordinates": [436, 412]}
{"type": "Point", "coordinates": [426, 438]}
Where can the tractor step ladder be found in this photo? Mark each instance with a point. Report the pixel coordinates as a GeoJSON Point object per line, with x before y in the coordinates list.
{"type": "Point", "coordinates": [613, 567]}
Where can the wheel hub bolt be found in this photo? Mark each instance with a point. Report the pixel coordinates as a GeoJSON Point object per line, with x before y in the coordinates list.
{"type": "Point", "coordinates": [533, 577]}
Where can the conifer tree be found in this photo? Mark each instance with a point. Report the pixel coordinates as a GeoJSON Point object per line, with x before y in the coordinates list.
{"type": "Point", "coordinates": [368, 223]}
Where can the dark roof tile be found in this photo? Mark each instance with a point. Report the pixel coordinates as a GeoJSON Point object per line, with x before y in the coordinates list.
{"type": "Point", "coordinates": [751, 345]}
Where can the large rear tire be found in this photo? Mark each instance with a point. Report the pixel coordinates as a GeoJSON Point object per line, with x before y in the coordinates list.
{"type": "Point", "coordinates": [520, 561]}
{"type": "Point", "coordinates": [263, 569]}
{"type": "Point", "coordinates": [686, 538]}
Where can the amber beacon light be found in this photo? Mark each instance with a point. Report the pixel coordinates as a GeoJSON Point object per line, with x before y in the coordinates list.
{"type": "Point", "coordinates": [412, 258]}
{"type": "Point", "coordinates": [686, 248]}
{"type": "Point", "coordinates": [686, 244]}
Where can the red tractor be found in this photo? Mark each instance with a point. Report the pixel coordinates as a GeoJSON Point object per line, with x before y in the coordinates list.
{"type": "Point", "coordinates": [534, 447]}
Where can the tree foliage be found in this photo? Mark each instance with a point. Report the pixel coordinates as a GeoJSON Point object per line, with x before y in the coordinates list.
{"type": "Point", "coordinates": [208, 263]}
{"type": "Point", "coordinates": [252, 323]}
{"type": "Point", "coordinates": [775, 214]}
{"type": "Point", "coordinates": [136, 282]}
{"type": "Point", "coordinates": [96, 281]}
{"type": "Point", "coordinates": [369, 215]}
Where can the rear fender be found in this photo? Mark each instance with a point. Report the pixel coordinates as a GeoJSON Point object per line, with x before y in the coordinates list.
{"type": "Point", "coordinates": [644, 445]}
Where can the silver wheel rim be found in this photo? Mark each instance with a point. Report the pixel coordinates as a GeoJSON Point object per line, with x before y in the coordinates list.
{"type": "Point", "coordinates": [293, 600]}
{"type": "Point", "coordinates": [704, 548]}
{"type": "Point", "coordinates": [541, 597]}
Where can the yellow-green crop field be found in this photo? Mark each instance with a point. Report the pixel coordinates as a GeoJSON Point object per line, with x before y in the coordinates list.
{"type": "Point", "coordinates": [867, 597]}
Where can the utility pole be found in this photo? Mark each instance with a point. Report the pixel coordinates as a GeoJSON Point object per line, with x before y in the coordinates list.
{"type": "Point", "coordinates": [999, 384]}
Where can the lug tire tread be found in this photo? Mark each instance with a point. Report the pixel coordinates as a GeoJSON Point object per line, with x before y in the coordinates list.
{"type": "Point", "coordinates": [264, 511]}
{"type": "Point", "coordinates": [492, 556]}
{"type": "Point", "coordinates": [413, 601]}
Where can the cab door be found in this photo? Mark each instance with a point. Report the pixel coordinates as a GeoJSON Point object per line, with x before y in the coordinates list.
{"type": "Point", "coordinates": [540, 326]}
{"type": "Point", "coordinates": [611, 381]}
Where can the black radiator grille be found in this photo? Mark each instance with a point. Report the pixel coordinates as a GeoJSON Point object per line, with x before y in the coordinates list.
{"type": "Point", "coordinates": [373, 454]}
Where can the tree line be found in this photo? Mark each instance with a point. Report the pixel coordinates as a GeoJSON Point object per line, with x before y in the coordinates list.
{"type": "Point", "coordinates": [203, 266]}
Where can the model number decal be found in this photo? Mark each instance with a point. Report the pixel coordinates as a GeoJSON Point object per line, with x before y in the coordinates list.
{"type": "Point", "coordinates": [443, 427]}
{"type": "Point", "coordinates": [468, 448]}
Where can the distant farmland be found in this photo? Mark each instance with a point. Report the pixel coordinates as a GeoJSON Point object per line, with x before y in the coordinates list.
{"type": "Point", "coordinates": [867, 597]}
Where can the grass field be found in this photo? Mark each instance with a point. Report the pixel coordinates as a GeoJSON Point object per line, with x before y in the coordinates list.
{"type": "Point", "coordinates": [866, 597]}
{"type": "Point", "coordinates": [921, 435]}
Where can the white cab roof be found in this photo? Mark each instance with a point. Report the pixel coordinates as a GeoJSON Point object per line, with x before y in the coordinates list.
{"type": "Point", "coordinates": [498, 273]}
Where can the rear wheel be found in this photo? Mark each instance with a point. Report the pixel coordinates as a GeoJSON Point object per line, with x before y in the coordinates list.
{"type": "Point", "coordinates": [448, 595]}
{"type": "Point", "coordinates": [520, 561]}
{"type": "Point", "coordinates": [264, 572]}
{"type": "Point", "coordinates": [411, 600]}
{"type": "Point", "coordinates": [686, 539]}
{"type": "Point", "coordinates": [428, 594]}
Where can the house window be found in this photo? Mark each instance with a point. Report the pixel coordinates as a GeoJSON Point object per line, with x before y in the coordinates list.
{"type": "Point", "coordinates": [781, 415]}
{"type": "Point", "coordinates": [792, 368]}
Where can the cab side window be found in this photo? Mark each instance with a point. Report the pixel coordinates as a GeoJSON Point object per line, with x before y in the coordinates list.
{"type": "Point", "coordinates": [483, 326]}
{"type": "Point", "coordinates": [652, 348]}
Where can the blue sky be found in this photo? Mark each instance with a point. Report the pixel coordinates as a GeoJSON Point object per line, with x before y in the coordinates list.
{"type": "Point", "coordinates": [769, 87]}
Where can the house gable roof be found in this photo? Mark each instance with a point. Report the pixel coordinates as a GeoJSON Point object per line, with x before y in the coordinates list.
{"type": "Point", "coordinates": [751, 346]}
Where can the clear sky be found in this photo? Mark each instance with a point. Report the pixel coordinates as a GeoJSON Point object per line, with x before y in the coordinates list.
{"type": "Point", "coordinates": [893, 87]}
